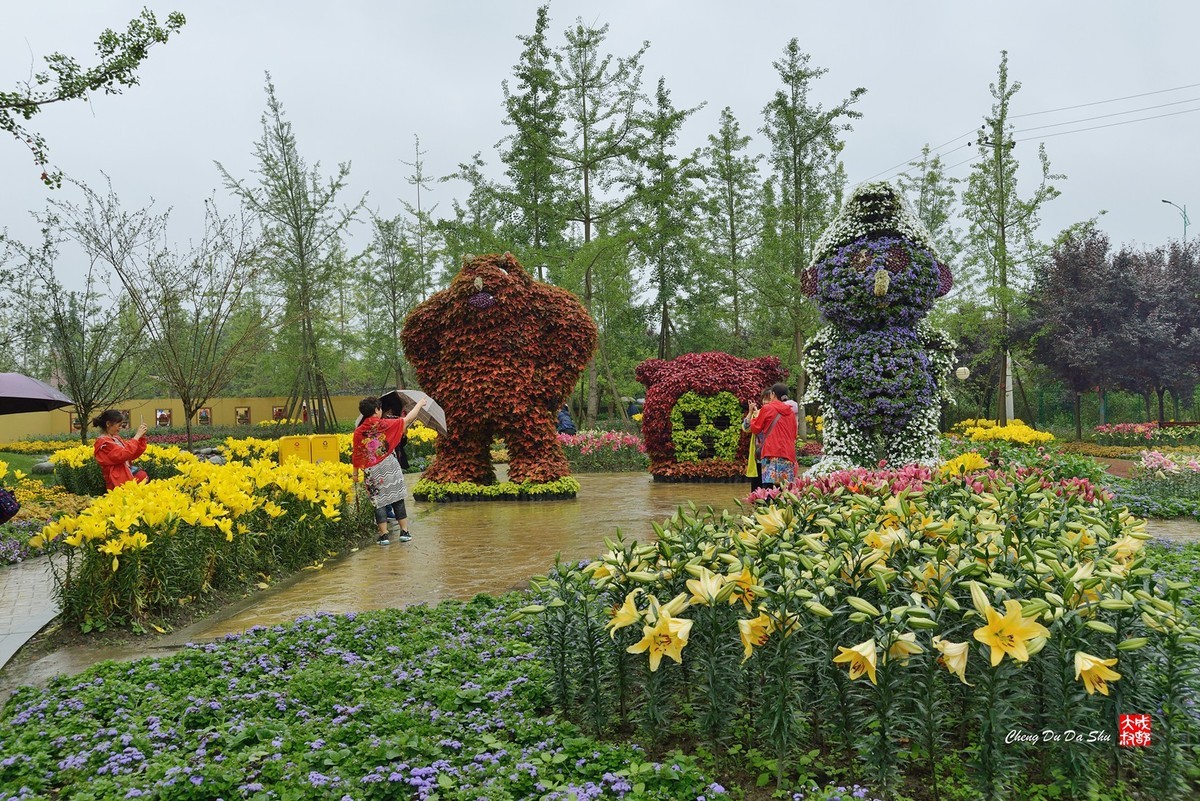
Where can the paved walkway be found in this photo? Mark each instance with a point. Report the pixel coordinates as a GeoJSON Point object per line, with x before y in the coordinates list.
{"type": "Point", "coordinates": [26, 604]}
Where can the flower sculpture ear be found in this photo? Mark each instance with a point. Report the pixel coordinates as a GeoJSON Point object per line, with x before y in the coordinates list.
{"type": "Point", "coordinates": [945, 280]}
{"type": "Point", "coordinates": [649, 371]}
{"type": "Point", "coordinates": [808, 281]}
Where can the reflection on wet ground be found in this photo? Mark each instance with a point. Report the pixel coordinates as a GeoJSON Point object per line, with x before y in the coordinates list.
{"type": "Point", "coordinates": [458, 550]}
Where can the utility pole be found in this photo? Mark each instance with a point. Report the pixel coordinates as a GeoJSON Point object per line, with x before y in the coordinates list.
{"type": "Point", "coordinates": [998, 146]}
{"type": "Point", "coordinates": [1182, 213]}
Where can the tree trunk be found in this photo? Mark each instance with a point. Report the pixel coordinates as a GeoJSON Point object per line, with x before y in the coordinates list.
{"type": "Point", "coordinates": [1079, 420]}
{"type": "Point", "coordinates": [1103, 407]}
{"type": "Point", "coordinates": [1161, 416]}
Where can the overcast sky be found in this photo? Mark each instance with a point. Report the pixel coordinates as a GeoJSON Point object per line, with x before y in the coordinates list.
{"type": "Point", "coordinates": [359, 79]}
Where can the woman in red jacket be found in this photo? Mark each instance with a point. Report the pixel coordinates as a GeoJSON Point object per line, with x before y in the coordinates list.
{"type": "Point", "coordinates": [114, 454]}
{"type": "Point", "coordinates": [777, 423]}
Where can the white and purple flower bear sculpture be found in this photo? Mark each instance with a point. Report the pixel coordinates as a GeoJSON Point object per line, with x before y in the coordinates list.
{"type": "Point", "coordinates": [879, 370]}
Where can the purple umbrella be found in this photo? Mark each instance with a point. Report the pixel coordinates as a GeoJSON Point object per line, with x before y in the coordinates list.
{"type": "Point", "coordinates": [20, 394]}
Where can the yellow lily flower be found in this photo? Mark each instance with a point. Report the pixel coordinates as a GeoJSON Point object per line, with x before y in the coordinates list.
{"type": "Point", "coordinates": [624, 615]}
{"type": "Point", "coordinates": [953, 657]}
{"type": "Point", "coordinates": [772, 521]}
{"type": "Point", "coordinates": [1123, 549]}
{"type": "Point", "coordinates": [707, 587]}
{"type": "Point", "coordinates": [754, 632]}
{"type": "Point", "coordinates": [1095, 672]}
{"type": "Point", "coordinates": [903, 646]}
{"type": "Point", "coordinates": [861, 659]}
{"type": "Point", "coordinates": [1010, 633]}
{"type": "Point", "coordinates": [666, 637]}
{"type": "Point", "coordinates": [744, 591]}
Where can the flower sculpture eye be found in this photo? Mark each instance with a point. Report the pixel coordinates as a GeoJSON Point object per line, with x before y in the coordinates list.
{"type": "Point", "coordinates": [481, 300]}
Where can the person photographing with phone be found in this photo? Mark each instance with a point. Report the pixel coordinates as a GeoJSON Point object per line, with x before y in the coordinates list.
{"type": "Point", "coordinates": [114, 454]}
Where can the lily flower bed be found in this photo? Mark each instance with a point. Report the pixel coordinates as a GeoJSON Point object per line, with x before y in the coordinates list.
{"type": "Point", "coordinates": [604, 452]}
{"type": "Point", "coordinates": [900, 621]}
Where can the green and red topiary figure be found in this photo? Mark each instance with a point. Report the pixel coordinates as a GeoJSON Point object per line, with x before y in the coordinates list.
{"type": "Point", "coordinates": [692, 422]}
{"type": "Point", "coordinates": [500, 352]}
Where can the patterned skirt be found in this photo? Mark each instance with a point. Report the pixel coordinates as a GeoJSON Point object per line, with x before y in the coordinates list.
{"type": "Point", "coordinates": [385, 483]}
{"type": "Point", "coordinates": [778, 471]}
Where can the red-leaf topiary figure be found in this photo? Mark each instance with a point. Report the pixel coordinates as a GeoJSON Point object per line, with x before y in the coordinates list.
{"type": "Point", "coordinates": [500, 352]}
{"type": "Point", "coordinates": [693, 414]}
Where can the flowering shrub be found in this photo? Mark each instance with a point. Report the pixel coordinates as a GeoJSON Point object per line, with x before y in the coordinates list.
{"type": "Point", "coordinates": [694, 409]}
{"type": "Point", "coordinates": [499, 351]}
{"type": "Point", "coordinates": [603, 451]}
{"type": "Point", "coordinates": [879, 371]}
{"type": "Point", "coordinates": [37, 446]}
{"type": "Point", "coordinates": [1015, 432]}
{"type": "Point", "coordinates": [565, 487]}
{"type": "Point", "coordinates": [78, 472]}
{"type": "Point", "coordinates": [894, 616]}
{"type": "Point", "coordinates": [1143, 434]}
{"type": "Point", "coordinates": [140, 550]}
{"type": "Point", "coordinates": [1162, 485]}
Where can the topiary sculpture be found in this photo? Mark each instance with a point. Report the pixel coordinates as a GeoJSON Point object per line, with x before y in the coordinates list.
{"type": "Point", "coordinates": [878, 369]}
{"type": "Point", "coordinates": [500, 352]}
{"type": "Point", "coordinates": [692, 421]}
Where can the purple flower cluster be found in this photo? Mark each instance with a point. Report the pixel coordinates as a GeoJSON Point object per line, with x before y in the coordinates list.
{"type": "Point", "coordinates": [878, 380]}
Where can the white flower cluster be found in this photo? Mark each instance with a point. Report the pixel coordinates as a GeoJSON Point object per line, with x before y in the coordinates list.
{"type": "Point", "coordinates": [868, 201]}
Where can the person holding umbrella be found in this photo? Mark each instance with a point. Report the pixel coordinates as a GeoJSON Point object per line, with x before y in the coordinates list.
{"type": "Point", "coordinates": [374, 440]}
{"type": "Point", "coordinates": [114, 454]}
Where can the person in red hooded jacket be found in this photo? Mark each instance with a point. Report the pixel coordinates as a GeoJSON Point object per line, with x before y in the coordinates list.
{"type": "Point", "coordinates": [114, 454]}
{"type": "Point", "coordinates": [777, 423]}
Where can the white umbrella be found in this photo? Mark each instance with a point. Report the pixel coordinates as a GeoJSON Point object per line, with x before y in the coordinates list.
{"type": "Point", "coordinates": [399, 400]}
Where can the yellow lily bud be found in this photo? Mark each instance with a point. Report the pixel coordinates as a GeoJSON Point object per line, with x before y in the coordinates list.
{"type": "Point", "coordinates": [642, 576]}
{"type": "Point", "coordinates": [677, 604]}
{"type": "Point", "coordinates": [818, 609]}
{"type": "Point", "coordinates": [859, 617]}
{"type": "Point", "coordinates": [1115, 604]}
{"type": "Point", "coordinates": [1055, 598]}
{"type": "Point", "coordinates": [863, 605]}
{"type": "Point", "coordinates": [922, 623]}
{"type": "Point", "coordinates": [1133, 643]}
{"type": "Point", "coordinates": [979, 598]}
{"type": "Point", "coordinates": [1100, 626]}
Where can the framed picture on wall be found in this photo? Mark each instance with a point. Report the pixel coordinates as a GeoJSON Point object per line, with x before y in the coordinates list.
{"type": "Point", "coordinates": [277, 413]}
{"type": "Point", "coordinates": [204, 416]}
{"type": "Point", "coordinates": [125, 415]}
{"type": "Point", "coordinates": [241, 415]}
{"type": "Point", "coordinates": [162, 418]}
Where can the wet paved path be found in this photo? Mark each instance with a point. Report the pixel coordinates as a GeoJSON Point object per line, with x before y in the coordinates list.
{"type": "Point", "coordinates": [458, 550]}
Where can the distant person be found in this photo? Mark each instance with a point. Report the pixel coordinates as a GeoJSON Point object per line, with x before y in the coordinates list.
{"type": "Point", "coordinates": [114, 454]}
{"type": "Point", "coordinates": [565, 424]}
{"type": "Point", "coordinates": [633, 408]}
{"type": "Point", "coordinates": [754, 457]}
{"type": "Point", "coordinates": [374, 441]}
{"type": "Point", "coordinates": [777, 423]}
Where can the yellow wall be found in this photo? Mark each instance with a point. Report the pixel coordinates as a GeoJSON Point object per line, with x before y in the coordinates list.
{"type": "Point", "coordinates": [22, 426]}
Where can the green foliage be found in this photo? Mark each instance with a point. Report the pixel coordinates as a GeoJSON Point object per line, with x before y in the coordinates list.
{"type": "Point", "coordinates": [706, 426]}
{"type": "Point", "coordinates": [118, 57]}
{"type": "Point", "coordinates": [429, 490]}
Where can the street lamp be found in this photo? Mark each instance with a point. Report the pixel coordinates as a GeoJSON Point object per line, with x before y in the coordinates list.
{"type": "Point", "coordinates": [1182, 213]}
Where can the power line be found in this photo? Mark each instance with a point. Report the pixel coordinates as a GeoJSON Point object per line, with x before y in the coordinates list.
{"type": "Point", "coordinates": [1109, 125]}
{"type": "Point", "coordinates": [1106, 116]}
{"type": "Point", "coordinates": [1051, 111]}
{"type": "Point", "coordinates": [1102, 102]}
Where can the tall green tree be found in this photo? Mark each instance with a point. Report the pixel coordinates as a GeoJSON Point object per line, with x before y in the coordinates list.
{"type": "Point", "coordinates": [601, 107]}
{"type": "Point", "coordinates": [118, 56]}
{"type": "Point", "coordinates": [302, 226]}
{"type": "Point", "coordinates": [537, 227]}
{"type": "Point", "coordinates": [421, 225]}
{"type": "Point", "coordinates": [933, 195]}
{"type": "Point", "coordinates": [1002, 241]}
{"type": "Point", "coordinates": [666, 202]}
{"type": "Point", "coordinates": [392, 283]}
{"type": "Point", "coordinates": [806, 142]}
{"type": "Point", "coordinates": [731, 217]}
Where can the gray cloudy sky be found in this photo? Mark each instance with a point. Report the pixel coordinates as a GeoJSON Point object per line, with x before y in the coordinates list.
{"type": "Point", "coordinates": [359, 79]}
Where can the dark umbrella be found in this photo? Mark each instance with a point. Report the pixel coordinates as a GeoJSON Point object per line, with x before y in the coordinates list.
{"type": "Point", "coordinates": [397, 400]}
{"type": "Point", "coordinates": [20, 394]}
